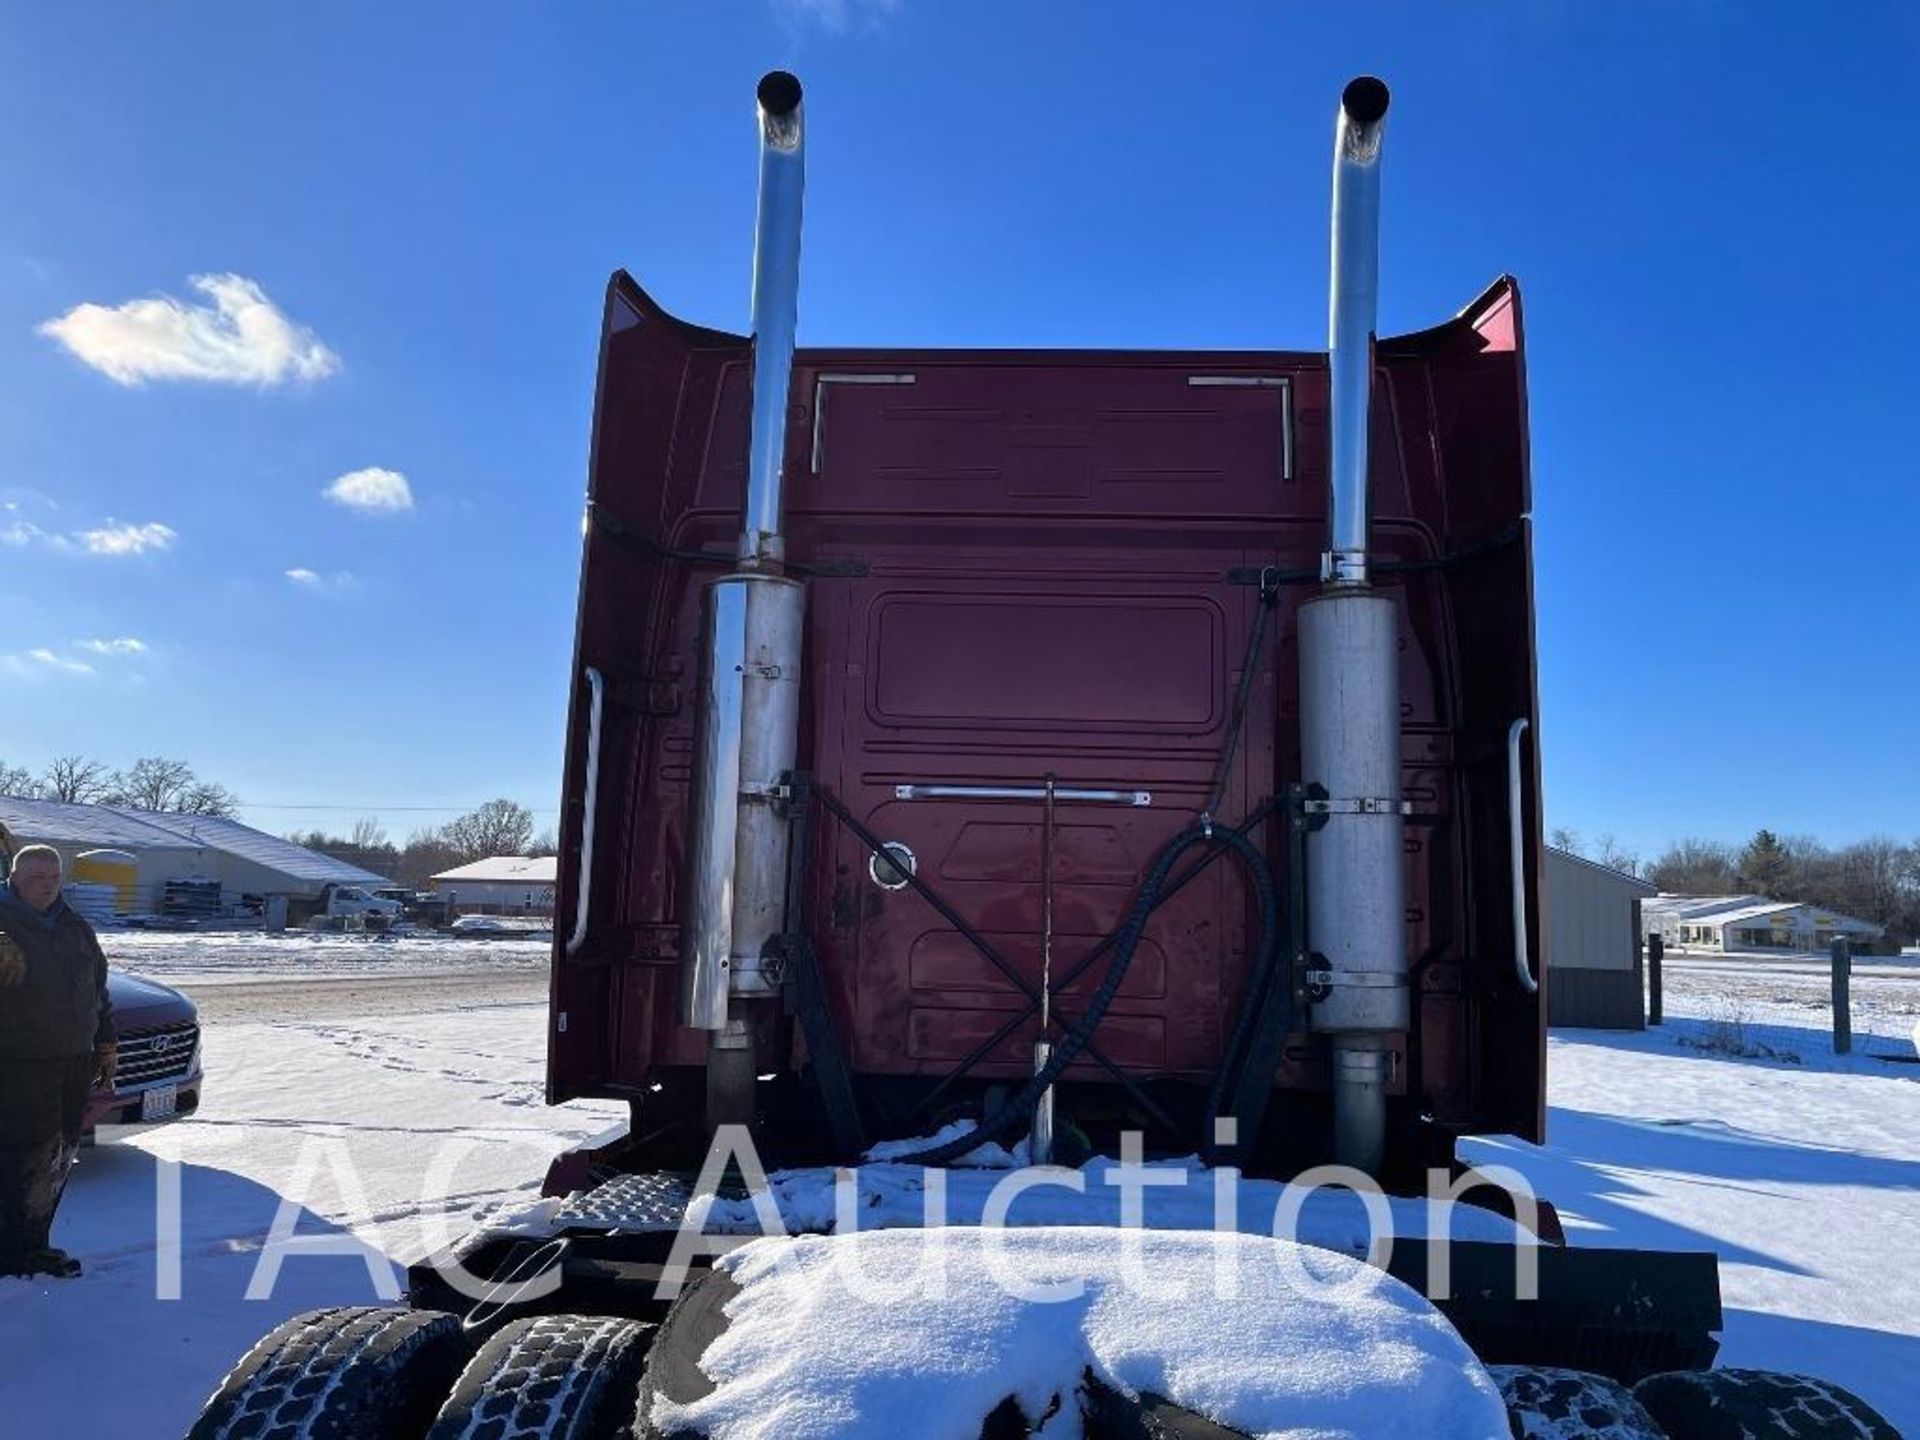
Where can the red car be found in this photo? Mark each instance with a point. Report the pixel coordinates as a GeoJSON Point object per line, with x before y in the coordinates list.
{"type": "Point", "coordinates": [159, 1076]}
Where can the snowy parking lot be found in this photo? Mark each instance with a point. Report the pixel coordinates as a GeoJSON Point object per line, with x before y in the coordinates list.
{"type": "Point", "coordinates": [394, 1091]}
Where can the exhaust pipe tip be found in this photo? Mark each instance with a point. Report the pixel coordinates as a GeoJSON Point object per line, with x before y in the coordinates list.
{"type": "Point", "coordinates": [1364, 101]}
{"type": "Point", "coordinates": [779, 94]}
{"type": "Point", "coordinates": [779, 97]}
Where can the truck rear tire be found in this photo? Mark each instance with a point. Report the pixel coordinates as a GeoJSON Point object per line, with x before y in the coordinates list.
{"type": "Point", "coordinates": [356, 1372]}
{"type": "Point", "coordinates": [1545, 1402]}
{"type": "Point", "coordinates": [552, 1377]}
{"type": "Point", "coordinates": [1757, 1405]}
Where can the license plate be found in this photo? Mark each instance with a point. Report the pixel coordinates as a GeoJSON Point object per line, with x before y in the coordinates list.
{"type": "Point", "coordinates": [160, 1102]}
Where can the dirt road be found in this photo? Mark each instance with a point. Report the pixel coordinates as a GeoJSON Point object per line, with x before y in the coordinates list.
{"type": "Point", "coordinates": [340, 996]}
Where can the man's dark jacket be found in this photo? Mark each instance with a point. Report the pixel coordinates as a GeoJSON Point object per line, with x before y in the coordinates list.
{"type": "Point", "coordinates": [61, 1009]}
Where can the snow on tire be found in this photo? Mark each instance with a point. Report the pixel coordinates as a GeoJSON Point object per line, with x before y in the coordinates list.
{"type": "Point", "coordinates": [554, 1377]}
{"type": "Point", "coordinates": [355, 1372]}
{"type": "Point", "coordinates": [1758, 1405]}
{"type": "Point", "coordinates": [1547, 1403]}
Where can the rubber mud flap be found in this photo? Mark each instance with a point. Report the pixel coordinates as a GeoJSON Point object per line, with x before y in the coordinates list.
{"type": "Point", "coordinates": [1757, 1405]}
{"type": "Point", "coordinates": [552, 1377]}
{"type": "Point", "coordinates": [673, 1372]}
{"type": "Point", "coordinates": [1109, 1415]}
{"type": "Point", "coordinates": [697, 1319]}
{"type": "Point", "coordinates": [1547, 1403]}
{"type": "Point", "coordinates": [355, 1372]}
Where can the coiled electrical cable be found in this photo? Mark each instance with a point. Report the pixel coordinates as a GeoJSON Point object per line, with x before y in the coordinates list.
{"type": "Point", "coordinates": [1018, 1109]}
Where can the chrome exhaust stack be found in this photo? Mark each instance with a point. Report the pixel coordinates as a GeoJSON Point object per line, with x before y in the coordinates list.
{"type": "Point", "coordinates": [750, 689]}
{"type": "Point", "coordinates": [1352, 302]}
{"type": "Point", "coordinates": [776, 307]}
{"type": "Point", "coordinates": [1350, 689]}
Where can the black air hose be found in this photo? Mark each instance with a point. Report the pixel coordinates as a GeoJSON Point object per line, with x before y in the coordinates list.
{"type": "Point", "coordinates": [1020, 1107]}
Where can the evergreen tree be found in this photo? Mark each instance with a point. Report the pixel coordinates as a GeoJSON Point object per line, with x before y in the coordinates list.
{"type": "Point", "coordinates": [1765, 866]}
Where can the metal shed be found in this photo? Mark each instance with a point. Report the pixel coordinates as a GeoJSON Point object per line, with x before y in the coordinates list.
{"type": "Point", "coordinates": [1593, 944]}
{"type": "Point", "coordinates": [171, 848]}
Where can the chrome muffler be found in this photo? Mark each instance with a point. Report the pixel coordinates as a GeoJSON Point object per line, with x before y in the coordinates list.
{"type": "Point", "coordinates": [1350, 688]}
{"type": "Point", "coordinates": [736, 877]}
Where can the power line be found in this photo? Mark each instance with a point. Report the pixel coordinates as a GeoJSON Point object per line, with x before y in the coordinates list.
{"type": "Point", "coordinates": [384, 809]}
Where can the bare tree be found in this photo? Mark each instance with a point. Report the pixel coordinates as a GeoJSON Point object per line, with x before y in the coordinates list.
{"type": "Point", "coordinates": [157, 783]}
{"type": "Point", "coordinates": [381, 856]}
{"type": "Point", "coordinates": [18, 781]}
{"type": "Point", "coordinates": [76, 780]}
{"type": "Point", "coordinates": [425, 855]}
{"type": "Point", "coordinates": [368, 834]}
{"type": "Point", "coordinates": [1562, 838]}
{"type": "Point", "coordinates": [499, 827]}
{"type": "Point", "coordinates": [153, 783]}
{"type": "Point", "coordinates": [1874, 877]}
{"type": "Point", "coordinates": [1607, 852]}
{"type": "Point", "coordinates": [1695, 867]}
{"type": "Point", "coordinates": [544, 844]}
{"type": "Point", "coordinates": [203, 797]}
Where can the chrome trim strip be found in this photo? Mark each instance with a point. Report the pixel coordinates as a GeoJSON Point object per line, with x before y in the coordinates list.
{"type": "Point", "coordinates": [1517, 837]}
{"type": "Point", "coordinates": [1022, 792]}
{"type": "Point", "coordinates": [597, 689]}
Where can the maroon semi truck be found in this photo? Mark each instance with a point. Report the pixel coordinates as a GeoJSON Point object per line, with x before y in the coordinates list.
{"type": "Point", "coordinates": [1043, 746]}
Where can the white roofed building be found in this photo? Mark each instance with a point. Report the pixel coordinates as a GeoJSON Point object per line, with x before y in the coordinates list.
{"type": "Point", "coordinates": [502, 885]}
{"type": "Point", "coordinates": [223, 868]}
{"type": "Point", "coordinates": [1749, 923]}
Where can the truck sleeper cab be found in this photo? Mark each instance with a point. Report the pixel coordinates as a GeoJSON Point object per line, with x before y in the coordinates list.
{"type": "Point", "coordinates": [1023, 564]}
{"type": "Point", "coordinates": [1064, 744]}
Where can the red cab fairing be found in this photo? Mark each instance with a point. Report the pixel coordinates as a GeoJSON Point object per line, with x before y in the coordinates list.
{"type": "Point", "coordinates": [1027, 562]}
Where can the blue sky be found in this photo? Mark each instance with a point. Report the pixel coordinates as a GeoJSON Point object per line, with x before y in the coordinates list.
{"type": "Point", "coordinates": [1710, 207]}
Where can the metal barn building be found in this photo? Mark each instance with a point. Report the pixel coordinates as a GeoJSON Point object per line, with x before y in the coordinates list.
{"type": "Point", "coordinates": [1738, 924]}
{"type": "Point", "coordinates": [181, 853]}
{"type": "Point", "coordinates": [1593, 963]}
{"type": "Point", "coordinates": [502, 885]}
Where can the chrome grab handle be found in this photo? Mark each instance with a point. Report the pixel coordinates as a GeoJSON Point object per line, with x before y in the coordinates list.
{"type": "Point", "coordinates": [1517, 836]}
{"type": "Point", "coordinates": [1022, 792]}
{"type": "Point", "coordinates": [597, 689]}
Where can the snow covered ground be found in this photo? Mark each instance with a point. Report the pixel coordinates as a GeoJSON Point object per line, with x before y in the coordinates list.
{"type": "Point", "coordinates": [344, 1118]}
{"type": "Point", "coordinates": [249, 955]}
{"type": "Point", "coordinates": [1802, 1173]}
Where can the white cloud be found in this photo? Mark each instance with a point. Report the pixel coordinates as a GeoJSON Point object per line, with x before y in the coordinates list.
{"type": "Point", "coordinates": [111, 539]}
{"type": "Point", "coordinates": [125, 645]}
{"type": "Point", "coordinates": [837, 15]}
{"type": "Point", "coordinates": [313, 580]}
{"type": "Point", "coordinates": [46, 657]}
{"type": "Point", "coordinates": [239, 337]}
{"type": "Point", "coordinates": [372, 491]}
{"type": "Point", "coordinates": [116, 539]}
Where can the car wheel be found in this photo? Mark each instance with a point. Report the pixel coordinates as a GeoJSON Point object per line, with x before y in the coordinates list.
{"type": "Point", "coordinates": [357, 1372]}
{"type": "Point", "coordinates": [553, 1377]}
{"type": "Point", "coordinates": [1758, 1405]}
{"type": "Point", "coordinates": [1548, 1403]}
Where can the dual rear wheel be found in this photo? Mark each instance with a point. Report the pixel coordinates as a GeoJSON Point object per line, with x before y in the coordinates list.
{"type": "Point", "coordinates": [382, 1373]}
{"type": "Point", "coordinates": [378, 1373]}
{"type": "Point", "coordinates": [1551, 1404]}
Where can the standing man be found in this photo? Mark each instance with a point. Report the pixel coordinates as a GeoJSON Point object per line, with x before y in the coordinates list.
{"type": "Point", "coordinates": [56, 1040]}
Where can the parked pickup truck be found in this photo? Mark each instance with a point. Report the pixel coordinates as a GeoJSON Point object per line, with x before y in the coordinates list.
{"type": "Point", "coordinates": [158, 1030]}
{"type": "Point", "coordinates": [339, 900]}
